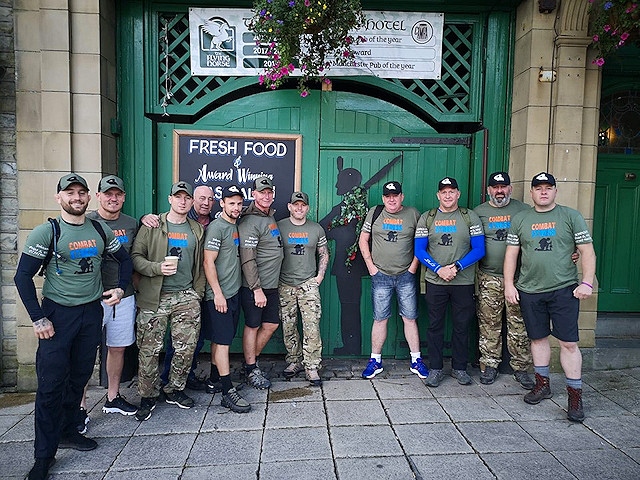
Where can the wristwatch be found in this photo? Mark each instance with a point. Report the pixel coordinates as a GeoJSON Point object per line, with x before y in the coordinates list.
{"type": "Point", "coordinates": [457, 267]}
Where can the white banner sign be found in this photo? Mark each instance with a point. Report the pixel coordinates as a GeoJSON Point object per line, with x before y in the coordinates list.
{"type": "Point", "coordinates": [399, 45]}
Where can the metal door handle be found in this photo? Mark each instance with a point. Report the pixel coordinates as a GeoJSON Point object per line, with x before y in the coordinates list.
{"type": "Point", "coordinates": [629, 176]}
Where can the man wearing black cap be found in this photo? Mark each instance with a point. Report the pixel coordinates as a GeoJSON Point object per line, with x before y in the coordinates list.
{"type": "Point", "coordinates": [547, 288]}
{"type": "Point", "coordinates": [449, 241]}
{"type": "Point", "coordinates": [496, 214]}
{"type": "Point", "coordinates": [306, 258]}
{"type": "Point", "coordinates": [261, 257]}
{"type": "Point", "coordinates": [169, 260]}
{"type": "Point", "coordinates": [392, 267]}
{"type": "Point", "coordinates": [68, 323]}
{"type": "Point", "coordinates": [119, 323]}
{"type": "Point", "coordinates": [221, 306]}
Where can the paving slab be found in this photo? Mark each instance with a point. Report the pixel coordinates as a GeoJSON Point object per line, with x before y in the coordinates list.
{"type": "Point", "coordinates": [364, 441]}
{"type": "Point", "coordinates": [603, 380]}
{"type": "Point", "coordinates": [224, 448]}
{"type": "Point", "coordinates": [468, 409]}
{"type": "Point", "coordinates": [498, 437]}
{"type": "Point", "coordinates": [629, 399]}
{"type": "Point", "coordinates": [219, 418]}
{"type": "Point", "coordinates": [16, 459]}
{"type": "Point", "coordinates": [289, 391]}
{"type": "Point", "coordinates": [415, 411]}
{"type": "Point", "coordinates": [94, 461]}
{"type": "Point", "coordinates": [21, 431]}
{"type": "Point", "coordinates": [356, 412]}
{"type": "Point", "coordinates": [564, 435]}
{"type": "Point", "coordinates": [600, 464]}
{"type": "Point", "coordinates": [519, 410]}
{"type": "Point", "coordinates": [167, 418]}
{"type": "Point", "coordinates": [296, 414]}
{"type": "Point", "coordinates": [378, 468]}
{"type": "Point", "coordinates": [243, 471]}
{"type": "Point", "coordinates": [447, 467]}
{"type": "Point", "coordinates": [622, 431]}
{"type": "Point", "coordinates": [360, 389]}
{"type": "Point", "coordinates": [153, 451]}
{"type": "Point", "coordinates": [431, 438]}
{"type": "Point", "coordinates": [320, 469]}
{"type": "Point", "coordinates": [401, 388]}
{"type": "Point", "coordinates": [295, 444]}
{"type": "Point", "coordinates": [526, 466]}
{"type": "Point", "coordinates": [146, 474]}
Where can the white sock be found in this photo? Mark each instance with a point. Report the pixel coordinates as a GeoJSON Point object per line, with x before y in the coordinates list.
{"type": "Point", "coordinates": [377, 357]}
{"type": "Point", "coordinates": [415, 356]}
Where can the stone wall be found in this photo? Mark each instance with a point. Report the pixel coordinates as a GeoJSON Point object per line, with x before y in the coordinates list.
{"type": "Point", "coordinates": [8, 198]}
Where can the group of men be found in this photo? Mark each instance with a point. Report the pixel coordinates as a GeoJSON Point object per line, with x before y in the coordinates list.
{"type": "Point", "coordinates": [194, 272]}
{"type": "Point", "coordinates": [526, 265]}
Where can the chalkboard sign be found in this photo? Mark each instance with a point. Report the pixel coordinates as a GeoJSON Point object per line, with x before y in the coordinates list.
{"type": "Point", "coordinates": [218, 159]}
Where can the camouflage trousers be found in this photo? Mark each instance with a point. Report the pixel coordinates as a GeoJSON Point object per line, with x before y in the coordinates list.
{"type": "Point", "coordinates": [491, 302]}
{"type": "Point", "coordinates": [306, 298]}
{"type": "Point", "coordinates": [181, 312]}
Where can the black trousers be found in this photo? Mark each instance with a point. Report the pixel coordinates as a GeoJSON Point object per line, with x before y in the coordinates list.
{"type": "Point", "coordinates": [64, 364]}
{"type": "Point", "coordinates": [463, 309]}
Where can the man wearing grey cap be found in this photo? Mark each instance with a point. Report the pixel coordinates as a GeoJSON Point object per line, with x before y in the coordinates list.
{"type": "Point", "coordinates": [169, 261]}
{"type": "Point", "coordinates": [69, 251]}
{"type": "Point", "coordinates": [547, 289]}
{"type": "Point", "coordinates": [119, 323]}
{"type": "Point", "coordinates": [306, 258]}
{"type": "Point", "coordinates": [389, 258]}
{"type": "Point", "coordinates": [496, 214]}
{"type": "Point", "coordinates": [449, 241]}
{"type": "Point", "coordinates": [261, 258]}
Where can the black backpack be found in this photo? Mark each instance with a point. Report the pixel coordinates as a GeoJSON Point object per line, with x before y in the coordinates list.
{"type": "Point", "coordinates": [53, 245]}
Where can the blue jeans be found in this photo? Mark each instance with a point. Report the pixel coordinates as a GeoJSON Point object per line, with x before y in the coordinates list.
{"type": "Point", "coordinates": [382, 290]}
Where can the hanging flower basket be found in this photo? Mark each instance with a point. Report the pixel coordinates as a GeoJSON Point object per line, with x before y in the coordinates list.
{"type": "Point", "coordinates": [613, 24]}
{"type": "Point", "coordinates": [304, 34]}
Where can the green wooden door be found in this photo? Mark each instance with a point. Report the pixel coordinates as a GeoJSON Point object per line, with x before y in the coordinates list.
{"type": "Point", "coordinates": [616, 229]}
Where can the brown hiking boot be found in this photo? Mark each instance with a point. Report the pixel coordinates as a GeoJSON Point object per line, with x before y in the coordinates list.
{"type": "Point", "coordinates": [541, 391]}
{"type": "Point", "coordinates": [575, 413]}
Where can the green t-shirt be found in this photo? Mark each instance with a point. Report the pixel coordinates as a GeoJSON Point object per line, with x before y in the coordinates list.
{"type": "Point", "coordinates": [261, 232]}
{"type": "Point", "coordinates": [80, 252]}
{"type": "Point", "coordinates": [124, 228]}
{"type": "Point", "coordinates": [496, 222]}
{"type": "Point", "coordinates": [392, 239]}
{"type": "Point", "coordinates": [181, 242]}
{"type": "Point", "coordinates": [546, 241]}
{"type": "Point", "coordinates": [222, 237]}
{"type": "Point", "coordinates": [300, 247]}
{"type": "Point", "coordinates": [449, 239]}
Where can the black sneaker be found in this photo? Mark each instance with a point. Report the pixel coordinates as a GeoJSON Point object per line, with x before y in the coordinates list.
{"type": "Point", "coordinates": [119, 405]}
{"type": "Point", "coordinates": [523, 378]}
{"type": "Point", "coordinates": [196, 384]}
{"type": "Point", "coordinates": [40, 469]}
{"type": "Point", "coordinates": [83, 421]}
{"type": "Point", "coordinates": [213, 387]}
{"type": "Point", "coordinates": [179, 398]}
{"type": "Point", "coordinates": [235, 402]}
{"type": "Point", "coordinates": [147, 404]}
{"type": "Point", "coordinates": [77, 441]}
{"type": "Point", "coordinates": [488, 376]}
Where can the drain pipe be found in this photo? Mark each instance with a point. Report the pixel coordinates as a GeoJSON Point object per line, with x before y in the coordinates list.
{"type": "Point", "coordinates": [485, 162]}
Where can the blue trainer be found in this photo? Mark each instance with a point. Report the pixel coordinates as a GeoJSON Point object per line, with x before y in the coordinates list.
{"type": "Point", "coordinates": [373, 368]}
{"type": "Point", "coordinates": [419, 368]}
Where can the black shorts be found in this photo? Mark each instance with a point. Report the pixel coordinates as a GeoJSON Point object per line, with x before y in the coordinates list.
{"type": "Point", "coordinates": [560, 308]}
{"type": "Point", "coordinates": [221, 327]}
{"type": "Point", "coordinates": [255, 316]}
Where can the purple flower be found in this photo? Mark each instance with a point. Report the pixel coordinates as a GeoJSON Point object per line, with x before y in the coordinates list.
{"type": "Point", "coordinates": [624, 36]}
{"type": "Point", "coordinates": [304, 93]}
{"type": "Point", "coordinates": [263, 12]}
{"type": "Point", "coordinates": [596, 38]}
{"type": "Point", "coordinates": [599, 61]}
{"type": "Point", "coordinates": [307, 3]}
{"type": "Point", "coordinates": [280, 22]}
{"type": "Point", "coordinates": [606, 28]}
{"type": "Point", "coordinates": [631, 8]}
{"type": "Point", "coordinates": [292, 4]}
{"type": "Point", "coordinates": [607, 5]}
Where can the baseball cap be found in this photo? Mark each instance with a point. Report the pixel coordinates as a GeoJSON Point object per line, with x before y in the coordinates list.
{"type": "Point", "coordinates": [110, 181]}
{"type": "Point", "coordinates": [69, 179]}
{"type": "Point", "coordinates": [262, 183]}
{"type": "Point", "coordinates": [392, 188]}
{"type": "Point", "coordinates": [499, 178]}
{"type": "Point", "coordinates": [543, 177]}
{"type": "Point", "coordinates": [182, 186]}
{"type": "Point", "coordinates": [231, 191]}
{"type": "Point", "coordinates": [300, 197]}
{"type": "Point", "coordinates": [447, 182]}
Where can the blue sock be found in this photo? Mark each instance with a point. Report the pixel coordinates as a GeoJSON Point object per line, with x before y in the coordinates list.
{"type": "Point", "coordinates": [574, 382]}
{"type": "Point", "coordinates": [542, 371]}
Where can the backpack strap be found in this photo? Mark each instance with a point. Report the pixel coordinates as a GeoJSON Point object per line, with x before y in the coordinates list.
{"type": "Point", "coordinates": [376, 214]}
{"type": "Point", "coordinates": [100, 230]}
{"type": "Point", "coordinates": [53, 245]}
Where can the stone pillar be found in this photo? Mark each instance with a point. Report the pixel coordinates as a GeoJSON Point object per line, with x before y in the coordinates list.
{"type": "Point", "coordinates": [65, 97]}
{"type": "Point", "coordinates": [554, 124]}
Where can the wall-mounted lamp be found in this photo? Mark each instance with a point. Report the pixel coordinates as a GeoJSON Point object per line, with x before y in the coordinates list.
{"type": "Point", "coordinates": [547, 6]}
{"type": "Point", "coordinates": [547, 76]}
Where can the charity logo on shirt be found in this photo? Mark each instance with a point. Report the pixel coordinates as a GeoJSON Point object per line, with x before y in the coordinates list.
{"type": "Point", "coordinates": [500, 224]}
{"type": "Point", "coordinates": [121, 235]}
{"type": "Point", "coordinates": [545, 230]}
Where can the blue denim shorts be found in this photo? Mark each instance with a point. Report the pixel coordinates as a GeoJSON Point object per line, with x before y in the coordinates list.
{"type": "Point", "coordinates": [382, 289]}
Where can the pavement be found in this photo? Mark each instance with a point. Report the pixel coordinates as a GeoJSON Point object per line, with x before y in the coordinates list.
{"type": "Point", "coordinates": [390, 427]}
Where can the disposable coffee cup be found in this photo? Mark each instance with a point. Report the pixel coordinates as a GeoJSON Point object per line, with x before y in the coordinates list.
{"type": "Point", "coordinates": [172, 259]}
